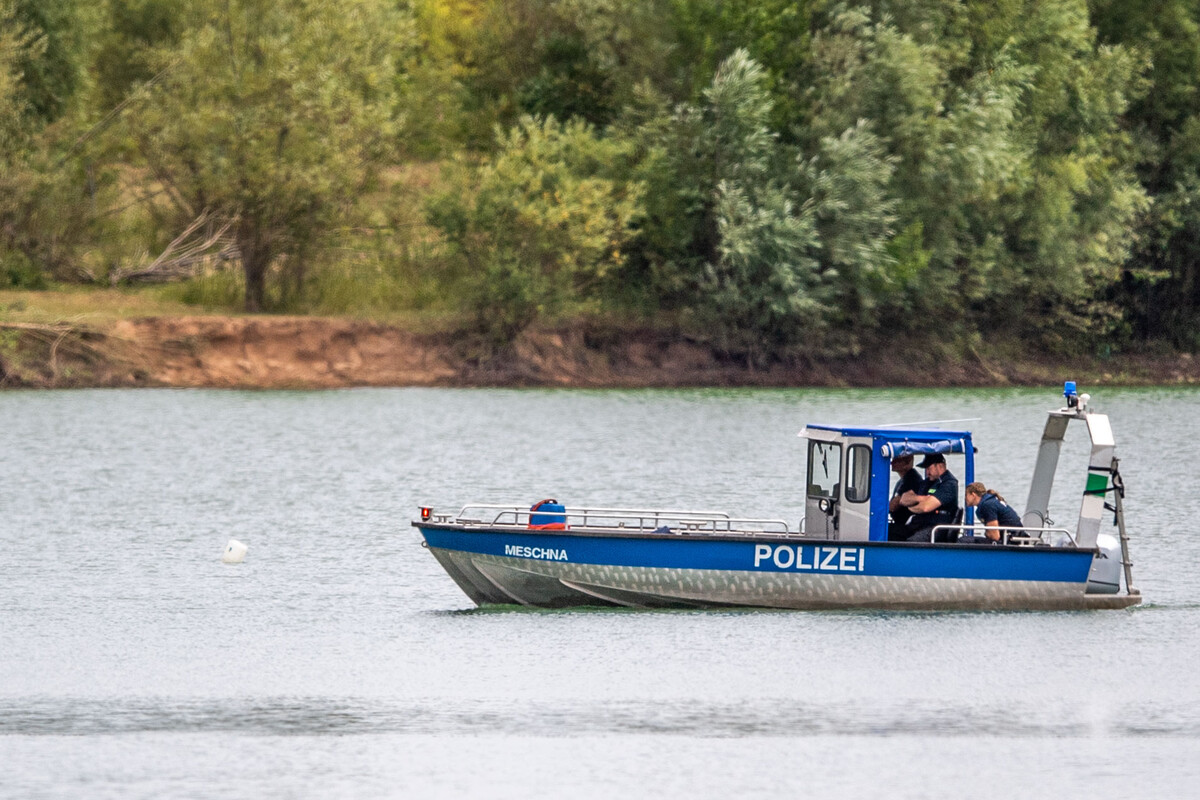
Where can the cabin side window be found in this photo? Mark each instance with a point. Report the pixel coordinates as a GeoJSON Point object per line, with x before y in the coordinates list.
{"type": "Point", "coordinates": [858, 473]}
{"type": "Point", "coordinates": [824, 469]}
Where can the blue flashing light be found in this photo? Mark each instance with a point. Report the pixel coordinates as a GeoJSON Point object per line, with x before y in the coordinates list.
{"type": "Point", "coordinates": [1070, 394]}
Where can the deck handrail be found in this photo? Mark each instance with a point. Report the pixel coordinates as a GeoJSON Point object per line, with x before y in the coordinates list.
{"type": "Point", "coordinates": [590, 510]}
{"type": "Point", "coordinates": [1006, 530]}
{"type": "Point", "coordinates": [633, 519]}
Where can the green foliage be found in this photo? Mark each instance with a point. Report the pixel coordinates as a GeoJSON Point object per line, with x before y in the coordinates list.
{"type": "Point", "coordinates": [785, 177]}
{"type": "Point", "coordinates": [18, 272]}
{"type": "Point", "coordinates": [43, 212]}
{"type": "Point", "coordinates": [504, 54]}
{"type": "Point", "coordinates": [1010, 152]}
{"type": "Point", "coordinates": [439, 112]}
{"type": "Point", "coordinates": [774, 33]}
{"type": "Point", "coordinates": [762, 290]}
{"type": "Point", "coordinates": [690, 152]}
{"type": "Point", "coordinates": [542, 58]}
{"type": "Point", "coordinates": [1167, 32]}
{"type": "Point", "coordinates": [769, 250]}
{"type": "Point", "coordinates": [17, 45]}
{"type": "Point", "coordinates": [1161, 289]}
{"type": "Point", "coordinates": [543, 224]}
{"type": "Point", "coordinates": [630, 42]}
{"type": "Point", "coordinates": [221, 289]}
{"type": "Point", "coordinates": [569, 84]}
{"type": "Point", "coordinates": [125, 56]}
{"type": "Point", "coordinates": [273, 115]}
{"type": "Point", "coordinates": [50, 72]}
{"type": "Point", "coordinates": [848, 181]}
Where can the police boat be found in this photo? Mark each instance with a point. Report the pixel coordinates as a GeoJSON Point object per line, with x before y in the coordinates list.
{"type": "Point", "coordinates": [555, 556]}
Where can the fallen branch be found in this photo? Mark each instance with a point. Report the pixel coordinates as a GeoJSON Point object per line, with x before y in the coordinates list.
{"type": "Point", "coordinates": [171, 265]}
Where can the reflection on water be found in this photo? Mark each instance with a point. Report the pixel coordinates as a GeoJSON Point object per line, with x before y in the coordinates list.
{"type": "Point", "coordinates": [134, 664]}
{"type": "Point", "coordinates": [303, 716]}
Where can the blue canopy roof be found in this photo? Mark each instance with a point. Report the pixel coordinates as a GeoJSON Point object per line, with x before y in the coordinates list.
{"type": "Point", "coordinates": [893, 442]}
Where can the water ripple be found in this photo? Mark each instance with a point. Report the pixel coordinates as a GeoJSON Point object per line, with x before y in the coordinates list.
{"type": "Point", "coordinates": [324, 716]}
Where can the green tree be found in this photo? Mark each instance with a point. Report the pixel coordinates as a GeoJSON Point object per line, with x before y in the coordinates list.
{"type": "Point", "coordinates": [1162, 282]}
{"type": "Point", "coordinates": [569, 84]}
{"type": "Point", "coordinates": [848, 183]}
{"type": "Point", "coordinates": [726, 237]}
{"type": "Point", "coordinates": [630, 42]}
{"type": "Point", "coordinates": [273, 115]}
{"type": "Point", "coordinates": [1162, 285]}
{"type": "Point", "coordinates": [542, 224]}
{"type": "Point", "coordinates": [41, 219]}
{"type": "Point", "coordinates": [690, 151]}
{"type": "Point", "coordinates": [17, 45]}
{"type": "Point", "coordinates": [132, 30]}
{"type": "Point", "coordinates": [1011, 158]}
{"type": "Point", "coordinates": [51, 72]}
{"type": "Point", "coordinates": [537, 57]}
{"type": "Point", "coordinates": [774, 33]}
{"type": "Point", "coordinates": [762, 290]}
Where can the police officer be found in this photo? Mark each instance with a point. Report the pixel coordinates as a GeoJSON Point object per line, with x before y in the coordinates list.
{"type": "Point", "coordinates": [910, 481]}
{"type": "Point", "coordinates": [992, 511]}
{"type": "Point", "coordinates": [935, 504]}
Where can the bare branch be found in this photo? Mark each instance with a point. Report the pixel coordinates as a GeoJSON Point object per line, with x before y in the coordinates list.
{"type": "Point", "coordinates": [181, 257]}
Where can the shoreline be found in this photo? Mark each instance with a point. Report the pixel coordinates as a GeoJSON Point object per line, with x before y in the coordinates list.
{"type": "Point", "coordinates": [267, 352]}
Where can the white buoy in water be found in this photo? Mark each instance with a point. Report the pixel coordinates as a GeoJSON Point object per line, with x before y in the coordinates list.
{"type": "Point", "coordinates": [235, 551]}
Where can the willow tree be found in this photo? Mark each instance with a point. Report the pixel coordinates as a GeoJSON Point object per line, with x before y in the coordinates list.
{"type": "Point", "coordinates": [273, 114]}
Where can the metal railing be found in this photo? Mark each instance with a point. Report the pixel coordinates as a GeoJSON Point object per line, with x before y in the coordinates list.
{"type": "Point", "coordinates": [712, 523]}
{"type": "Point", "coordinates": [634, 520]}
{"type": "Point", "coordinates": [1008, 533]}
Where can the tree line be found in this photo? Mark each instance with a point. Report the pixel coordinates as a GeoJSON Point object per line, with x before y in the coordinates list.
{"type": "Point", "coordinates": [780, 177]}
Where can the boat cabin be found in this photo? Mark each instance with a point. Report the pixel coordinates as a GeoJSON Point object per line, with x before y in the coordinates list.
{"type": "Point", "coordinates": [850, 480]}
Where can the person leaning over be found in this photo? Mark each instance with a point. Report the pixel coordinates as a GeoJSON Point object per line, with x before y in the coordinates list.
{"type": "Point", "coordinates": [935, 504]}
{"type": "Point", "coordinates": [992, 511]}
{"type": "Point", "coordinates": [910, 481]}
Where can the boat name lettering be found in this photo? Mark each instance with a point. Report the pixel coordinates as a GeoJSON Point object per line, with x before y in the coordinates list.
{"type": "Point", "coordinates": [816, 557]}
{"type": "Point", "coordinates": [544, 553]}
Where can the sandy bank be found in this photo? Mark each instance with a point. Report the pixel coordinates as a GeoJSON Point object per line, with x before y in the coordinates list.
{"type": "Point", "coordinates": [307, 352]}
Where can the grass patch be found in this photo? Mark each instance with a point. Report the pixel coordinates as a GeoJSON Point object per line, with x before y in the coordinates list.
{"type": "Point", "coordinates": [98, 307]}
{"type": "Point", "coordinates": [79, 304]}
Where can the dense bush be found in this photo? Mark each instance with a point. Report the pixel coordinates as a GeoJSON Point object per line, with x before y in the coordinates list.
{"type": "Point", "coordinates": [542, 224]}
{"type": "Point", "coordinates": [783, 178]}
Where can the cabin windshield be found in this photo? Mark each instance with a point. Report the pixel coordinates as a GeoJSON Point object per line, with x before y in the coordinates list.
{"type": "Point", "coordinates": [824, 469]}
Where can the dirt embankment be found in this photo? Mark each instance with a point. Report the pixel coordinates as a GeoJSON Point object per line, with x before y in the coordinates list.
{"type": "Point", "coordinates": [306, 352]}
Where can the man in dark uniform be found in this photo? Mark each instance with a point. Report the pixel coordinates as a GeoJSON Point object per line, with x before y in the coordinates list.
{"type": "Point", "coordinates": [935, 504]}
{"type": "Point", "coordinates": [910, 481]}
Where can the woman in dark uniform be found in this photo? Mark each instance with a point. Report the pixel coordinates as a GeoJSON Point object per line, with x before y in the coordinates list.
{"type": "Point", "coordinates": [992, 511]}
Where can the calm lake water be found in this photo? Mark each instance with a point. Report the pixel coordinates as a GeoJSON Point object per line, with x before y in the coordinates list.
{"type": "Point", "coordinates": [340, 661]}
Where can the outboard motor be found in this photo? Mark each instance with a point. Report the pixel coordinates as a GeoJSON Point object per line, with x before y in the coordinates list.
{"type": "Point", "coordinates": [1105, 577]}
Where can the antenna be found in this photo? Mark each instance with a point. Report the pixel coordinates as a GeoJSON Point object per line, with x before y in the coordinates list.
{"type": "Point", "coordinates": [929, 422]}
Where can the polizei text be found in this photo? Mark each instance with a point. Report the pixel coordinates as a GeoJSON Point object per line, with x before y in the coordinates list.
{"type": "Point", "coordinates": [810, 557]}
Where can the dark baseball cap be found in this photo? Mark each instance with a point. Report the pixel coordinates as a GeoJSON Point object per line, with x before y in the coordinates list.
{"type": "Point", "coordinates": [932, 458]}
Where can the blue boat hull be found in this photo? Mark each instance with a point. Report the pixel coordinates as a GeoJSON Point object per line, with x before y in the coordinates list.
{"type": "Point", "coordinates": [563, 569]}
